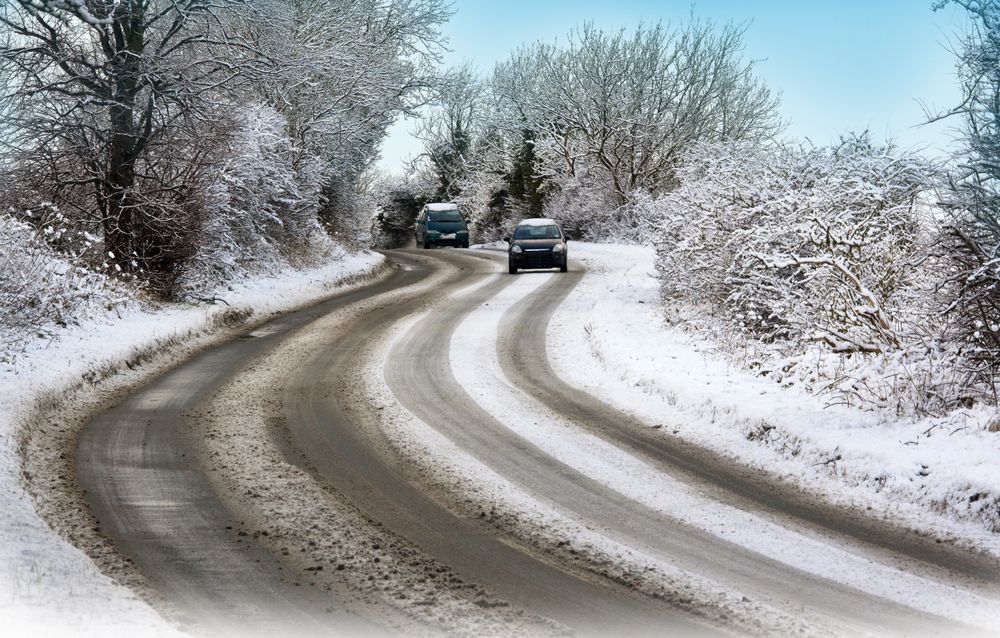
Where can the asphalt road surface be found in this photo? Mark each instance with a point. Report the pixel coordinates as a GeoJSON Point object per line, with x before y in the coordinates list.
{"type": "Point", "coordinates": [143, 480]}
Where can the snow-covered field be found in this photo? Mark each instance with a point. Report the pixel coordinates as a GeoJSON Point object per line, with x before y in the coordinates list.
{"type": "Point", "coordinates": [609, 337]}
{"type": "Point", "coordinates": [47, 585]}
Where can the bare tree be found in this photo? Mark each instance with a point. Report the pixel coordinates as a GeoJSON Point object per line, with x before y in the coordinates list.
{"type": "Point", "coordinates": [576, 130]}
{"type": "Point", "coordinates": [973, 198]}
{"type": "Point", "coordinates": [100, 85]}
{"type": "Point", "coordinates": [631, 104]}
{"type": "Point", "coordinates": [453, 127]}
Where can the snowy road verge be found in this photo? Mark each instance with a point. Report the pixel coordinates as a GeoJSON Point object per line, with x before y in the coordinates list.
{"type": "Point", "coordinates": [46, 583]}
{"type": "Point", "coordinates": [476, 366]}
{"type": "Point", "coordinates": [609, 338]}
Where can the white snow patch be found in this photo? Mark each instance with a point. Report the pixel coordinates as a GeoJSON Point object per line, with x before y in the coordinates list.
{"type": "Point", "coordinates": [609, 338]}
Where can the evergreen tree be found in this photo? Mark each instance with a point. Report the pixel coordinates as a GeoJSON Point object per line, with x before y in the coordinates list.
{"type": "Point", "coordinates": [450, 159]}
{"type": "Point", "coordinates": [524, 184]}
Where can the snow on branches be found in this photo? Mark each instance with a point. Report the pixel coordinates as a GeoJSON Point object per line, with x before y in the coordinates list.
{"type": "Point", "coordinates": [814, 244]}
{"type": "Point", "coordinates": [41, 290]}
{"type": "Point", "coordinates": [831, 255]}
{"type": "Point", "coordinates": [972, 196]}
{"type": "Point", "coordinates": [207, 134]}
{"type": "Point", "coordinates": [632, 103]}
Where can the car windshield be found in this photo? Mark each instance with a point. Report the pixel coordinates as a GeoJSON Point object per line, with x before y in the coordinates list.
{"type": "Point", "coordinates": [444, 216]}
{"type": "Point", "coordinates": [536, 232]}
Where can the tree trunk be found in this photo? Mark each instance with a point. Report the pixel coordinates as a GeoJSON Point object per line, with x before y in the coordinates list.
{"type": "Point", "coordinates": [121, 234]}
{"type": "Point", "coordinates": [120, 185]}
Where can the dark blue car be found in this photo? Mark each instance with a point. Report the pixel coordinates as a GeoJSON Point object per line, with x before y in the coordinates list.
{"type": "Point", "coordinates": [537, 243]}
{"type": "Point", "coordinates": [441, 225]}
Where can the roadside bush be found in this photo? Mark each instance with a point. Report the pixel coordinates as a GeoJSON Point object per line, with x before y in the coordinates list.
{"type": "Point", "coordinates": [582, 204]}
{"type": "Point", "coordinates": [397, 202]}
{"type": "Point", "coordinates": [831, 259]}
{"type": "Point", "coordinates": [260, 207]}
{"type": "Point", "coordinates": [972, 196]}
{"type": "Point", "coordinates": [40, 290]}
{"type": "Point", "coordinates": [798, 244]}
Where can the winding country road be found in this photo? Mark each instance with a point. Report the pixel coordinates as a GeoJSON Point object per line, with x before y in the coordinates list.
{"type": "Point", "coordinates": [143, 468]}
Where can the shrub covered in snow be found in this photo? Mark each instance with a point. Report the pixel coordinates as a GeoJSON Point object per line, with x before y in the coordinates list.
{"type": "Point", "coordinates": [806, 244]}
{"type": "Point", "coordinates": [972, 198]}
{"type": "Point", "coordinates": [263, 204]}
{"type": "Point", "coordinates": [828, 256]}
{"type": "Point", "coordinates": [41, 290]}
{"type": "Point", "coordinates": [398, 201]}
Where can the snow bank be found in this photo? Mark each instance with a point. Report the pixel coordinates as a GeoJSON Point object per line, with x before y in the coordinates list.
{"type": "Point", "coordinates": [45, 583]}
{"type": "Point", "coordinates": [609, 337]}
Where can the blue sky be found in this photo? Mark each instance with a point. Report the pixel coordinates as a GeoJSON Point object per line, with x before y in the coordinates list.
{"type": "Point", "coordinates": [840, 66]}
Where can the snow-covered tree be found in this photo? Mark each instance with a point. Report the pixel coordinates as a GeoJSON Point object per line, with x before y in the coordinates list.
{"type": "Point", "coordinates": [178, 130]}
{"type": "Point", "coordinates": [973, 196]}
{"type": "Point", "coordinates": [453, 127]}
{"type": "Point", "coordinates": [632, 103]}
{"type": "Point", "coordinates": [343, 71]}
{"type": "Point", "coordinates": [105, 92]}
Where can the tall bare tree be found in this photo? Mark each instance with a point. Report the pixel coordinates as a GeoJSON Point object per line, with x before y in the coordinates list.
{"type": "Point", "coordinates": [100, 84]}
{"type": "Point", "coordinates": [631, 104]}
{"type": "Point", "coordinates": [454, 126]}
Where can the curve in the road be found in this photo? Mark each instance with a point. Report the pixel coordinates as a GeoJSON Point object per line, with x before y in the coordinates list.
{"type": "Point", "coordinates": [324, 429]}
{"type": "Point", "coordinates": [158, 507]}
{"type": "Point", "coordinates": [523, 335]}
{"type": "Point", "coordinates": [419, 374]}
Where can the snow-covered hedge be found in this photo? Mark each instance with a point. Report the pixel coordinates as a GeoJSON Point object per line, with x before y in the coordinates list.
{"type": "Point", "coordinates": [816, 245]}
{"type": "Point", "coordinates": [41, 290]}
{"type": "Point", "coordinates": [263, 204]}
{"type": "Point", "coordinates": [828, 259]}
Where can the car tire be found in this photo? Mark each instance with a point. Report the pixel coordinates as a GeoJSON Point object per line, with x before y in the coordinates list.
{"type": "Point", "coordinates": [512, 269]}
{"type": "Point", "coordinates": [564, 267]}
{"type": "Point", "coordinates": [427, 244]}
{"type": "Point", "coordinates": [465, 244]}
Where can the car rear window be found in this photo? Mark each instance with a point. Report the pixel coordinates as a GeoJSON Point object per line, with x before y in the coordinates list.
{"type": "Point", "coordinates": [536, 232]}
{"type": "Point", "coordinates": [444, 216]}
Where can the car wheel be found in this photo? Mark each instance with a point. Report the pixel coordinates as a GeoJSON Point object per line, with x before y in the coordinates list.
{"type": "Point", "coordinates": [511, 268]}
{"type": "Point", "coordinates": [564, 267]}
{"type": "Point", "coordinates": [427, 244]}
{"type": "Point", "coordinates": [465, 244]}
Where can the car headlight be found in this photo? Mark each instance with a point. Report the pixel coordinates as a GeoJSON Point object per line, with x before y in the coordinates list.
{"type": "Point", "coordinates": [516, 249]}
{"type": "Point", "coordinates": [558, 248]}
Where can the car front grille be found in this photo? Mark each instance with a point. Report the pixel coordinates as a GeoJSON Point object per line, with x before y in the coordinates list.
{"type": "Point", "coordinates": [537, 259]}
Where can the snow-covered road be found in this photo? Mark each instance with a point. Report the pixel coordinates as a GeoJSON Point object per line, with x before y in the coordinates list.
{"type": "Point", "coordinates": [454, 449]}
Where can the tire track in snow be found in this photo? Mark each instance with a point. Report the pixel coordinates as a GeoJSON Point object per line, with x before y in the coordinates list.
{"type": "Point", "coordinates": [327, 421]}
{"type": "Point", "coordinates": [421, 360]}
{"type": "Point", "coordinates": [478, 369]}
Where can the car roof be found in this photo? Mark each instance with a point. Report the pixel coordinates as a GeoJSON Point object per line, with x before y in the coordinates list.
{"type": "Point", "coordinates": [538, 221]}
{"type": "Point", "coordinates": [442, 206]}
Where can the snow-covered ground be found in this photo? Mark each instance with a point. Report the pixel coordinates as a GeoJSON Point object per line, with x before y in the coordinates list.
{"type": "Point", "coordinates": [476, 366]}
{"type": "Point", "coordinates": [47, 585]}
{"type": "Point", "coordinates": [609, 337]}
